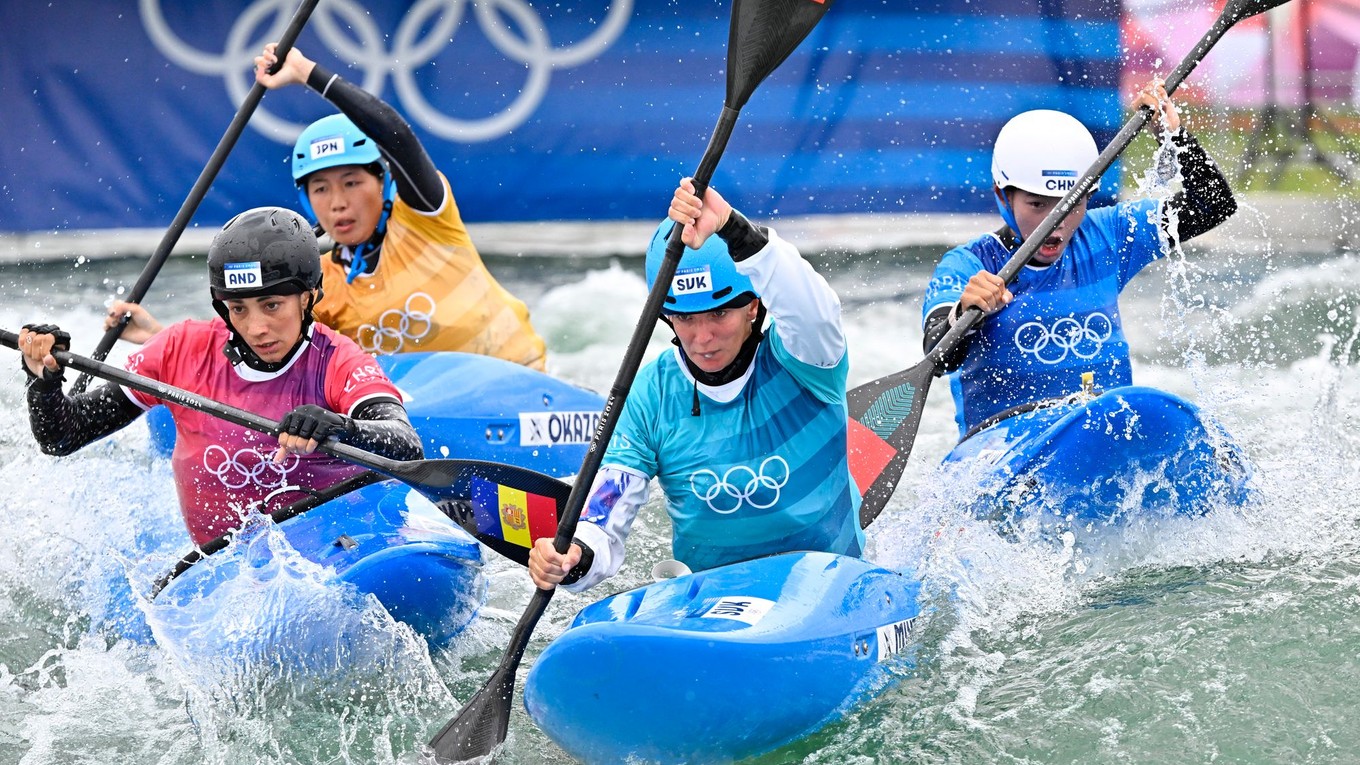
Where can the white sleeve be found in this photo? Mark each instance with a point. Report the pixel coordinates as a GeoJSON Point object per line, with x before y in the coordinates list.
{"type": "Point", "coordinates": [615, 498]}
{"type": "Point", "coordinates": [805, 311]}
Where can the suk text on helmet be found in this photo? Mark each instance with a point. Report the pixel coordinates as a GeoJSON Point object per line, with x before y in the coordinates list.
{"type": "Point", "coordinates": [705, 280]}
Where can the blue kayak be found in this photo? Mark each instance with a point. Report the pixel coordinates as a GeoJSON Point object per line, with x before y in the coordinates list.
{"type": "Point", "coordinates": [382, 539]}
{"type": "Point", "coordinates": [1126, 452]}
{"type": "Point", "coordinates": [724, 664]}
{"type": "Point", "coordinates": [473, 407]}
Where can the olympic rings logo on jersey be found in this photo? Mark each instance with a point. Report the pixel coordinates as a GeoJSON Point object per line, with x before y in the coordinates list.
{"type": "Point", "coordinates": [1051, 345]}
{"type": "Point", "coordinates": [426, 30]}
{"type": "Point", "coordinates": [396, 326]}
{"type": "Point", "coordinates": [742, 485]}
{"type": "Point", "coordinates": [247, 466]}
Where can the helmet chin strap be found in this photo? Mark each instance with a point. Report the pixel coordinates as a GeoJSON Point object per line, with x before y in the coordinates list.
{"type": "Point", "coordinates": [358, 256]}
{"type": "Point", "coordinates": [239, 352]}
{"type": "Point", "coordinates": [732, 371]}
{"type": "Point", "coordinates": [1004, 206]}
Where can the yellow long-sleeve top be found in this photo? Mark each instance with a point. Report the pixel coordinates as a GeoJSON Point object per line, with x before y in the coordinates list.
{"type": "Point", "coordinates": [429, 292]}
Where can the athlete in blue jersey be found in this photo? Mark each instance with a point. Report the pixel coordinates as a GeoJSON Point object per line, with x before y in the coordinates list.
{"type": "Point", "coordinates": [744, 429]}
{"type": "Point", "coordinates": [1060, 317]}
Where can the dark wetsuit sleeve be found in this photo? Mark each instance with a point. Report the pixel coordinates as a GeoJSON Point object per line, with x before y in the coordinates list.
{"type": "Point", "coordinates": [1205, 199]}
{"type": "Point", "coordinates": [937, 325]}
{"type": "Point", "coordinates": [742, 237]}
{"type": "Point", "coordinates": [418, 182]}
{"type": "Point", "coordinates": [63, 424]}
{"type": "Point", "coordinates": [381, 427]}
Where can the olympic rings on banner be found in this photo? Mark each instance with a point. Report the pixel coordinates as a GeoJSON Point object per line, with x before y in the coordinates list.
{"type": "Point", "coordinates": [742, 485]}
{"type": "Point", "coordinates": [426, 30]}
{"type": "Point", "coordinates": [1051, 345]}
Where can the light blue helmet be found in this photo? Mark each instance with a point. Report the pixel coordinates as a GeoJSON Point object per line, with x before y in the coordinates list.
{"type": "Point", "coordinates": [334, 141]}
{"type": "Point", "coordinates": [705, 280]}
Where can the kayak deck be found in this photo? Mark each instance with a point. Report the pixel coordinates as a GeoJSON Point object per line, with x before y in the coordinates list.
{"type": "Point", "coordinates": [1130, 451]}
{"type": "Point", "coordinates": [384, 540]}
{"type": "Point", "coordinates": [473, 407]}
{"type": "Point", "coordinates": [726, 663]}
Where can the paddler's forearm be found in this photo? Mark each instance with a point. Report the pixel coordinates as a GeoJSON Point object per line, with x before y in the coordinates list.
{"type": "Point", "coordinates": [63, 424]}
{"type": "Point", "coordinates": [1206, 199]}
{"type": "Point", "coordinates": [805, 311]}
{"type": "Point", "coordinates": [937, 326]}
{"type": "Point", "coordinates": [615, 498]}
{"type": "Point", "coordinates": [418, 181]}
{"type": "Point", "coordinates": [383, 428]}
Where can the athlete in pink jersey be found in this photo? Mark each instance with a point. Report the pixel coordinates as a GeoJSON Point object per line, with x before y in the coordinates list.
{"type": "Point", "coordinates": [265, 355]}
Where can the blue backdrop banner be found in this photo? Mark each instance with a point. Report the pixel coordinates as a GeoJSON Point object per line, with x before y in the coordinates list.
{"type": "Point", "coordinates": [538, 109]}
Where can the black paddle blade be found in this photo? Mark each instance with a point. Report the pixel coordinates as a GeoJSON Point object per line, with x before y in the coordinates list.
{"type": "Point", "coordinates": [1236, 10]}
{"type": "Point", "coordinates": [884, 417]}
{"type": "Point", "coordinates": [505, 507]}
{"type": "Point", "coordinates": [480, 726]}
{"type": "Point", "coordinates": [763, 34]}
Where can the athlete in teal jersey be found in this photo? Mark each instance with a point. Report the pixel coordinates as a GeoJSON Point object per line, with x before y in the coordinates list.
{"type": "Point", "coordinates": [745, 430]}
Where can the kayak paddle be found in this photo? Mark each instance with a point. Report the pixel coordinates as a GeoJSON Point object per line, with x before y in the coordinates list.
{"type": "Point", "coordinates": [885, 414]}
{"type": "Point", "coordinates": [498, 504]}
{"type": "Point", "coordinates": [762, 34]}
{"type": "Point", "coordinates": [199, 191]}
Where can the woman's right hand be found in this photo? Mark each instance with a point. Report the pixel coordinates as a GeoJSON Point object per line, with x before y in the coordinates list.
{"type": "Point", "coordinates": [986, 291]}
{"type": "Point", "coordinates": [36, 343]}
{"type": "Point", "coordinates": [295, 70]}
{"type": "Point", "coordinates": [547, 566]}
{"type": "Point", "coordinates": [140, 327]}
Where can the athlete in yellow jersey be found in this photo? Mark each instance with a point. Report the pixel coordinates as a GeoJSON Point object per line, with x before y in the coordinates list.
{"type": "Point", "coordinates": [403, 275]}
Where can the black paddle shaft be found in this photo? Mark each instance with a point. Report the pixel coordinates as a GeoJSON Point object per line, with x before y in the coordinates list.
{"type": "Point", "coordinates": [892, 406]}
{"type": "Point", "coordinates": [482, 724]}
{"type": "Point", "coordinates": [185, 398]}
{"type": "Point", "coordinates": [763, 34]}
{"type": "Point", "coordinates": [439, 480]}
{"type": "Point", "coordinates": [1233, 12]}
{"type": "Point", "coordinates": [199, 190]}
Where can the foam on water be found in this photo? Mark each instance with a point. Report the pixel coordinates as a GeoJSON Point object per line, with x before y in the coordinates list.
{"type": "Point", "coordinates": [1146, 644]}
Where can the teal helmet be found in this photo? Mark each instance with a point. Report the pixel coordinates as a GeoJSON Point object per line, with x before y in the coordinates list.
{"type": "Point", "coordinates": [335, 141]}
{"type": "Point", "coordinates": [705, 280]}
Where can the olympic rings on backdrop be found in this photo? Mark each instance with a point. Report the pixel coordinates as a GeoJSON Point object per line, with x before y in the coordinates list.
{"type": "Point", "coordinates": [247, 466]}
{"type": "Point", "coordinates": [1051, 345]}
{"type": "Point", "coordinates": [428, 28]}
{"type": "Point", "coordinates": [742, 485]}
{"type": "Point", "coordinates": [395, 326]}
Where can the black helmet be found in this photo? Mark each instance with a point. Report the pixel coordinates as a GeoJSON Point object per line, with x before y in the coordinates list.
{"type": "Point", "coordinates": [264, 251]}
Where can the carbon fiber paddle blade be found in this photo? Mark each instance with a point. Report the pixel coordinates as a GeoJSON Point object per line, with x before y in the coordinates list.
{"type": "Point", "coordinates": [449, 484]}
{"type": "Point", "coordinates": [885, 416]}
{"type": "Point", "coordinates": [763, 34]}
{"type": "Point", "coordinates": [1237, 10]}
{"type": "Point", "coordinates": [480, 726]}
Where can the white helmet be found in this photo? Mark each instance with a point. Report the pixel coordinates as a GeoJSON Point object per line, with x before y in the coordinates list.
{"type": "Point", "coordinates": [1043, 152]}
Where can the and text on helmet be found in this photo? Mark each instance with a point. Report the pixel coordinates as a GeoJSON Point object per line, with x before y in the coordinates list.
{"type": "Point", "coordinates": [242, 275]}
